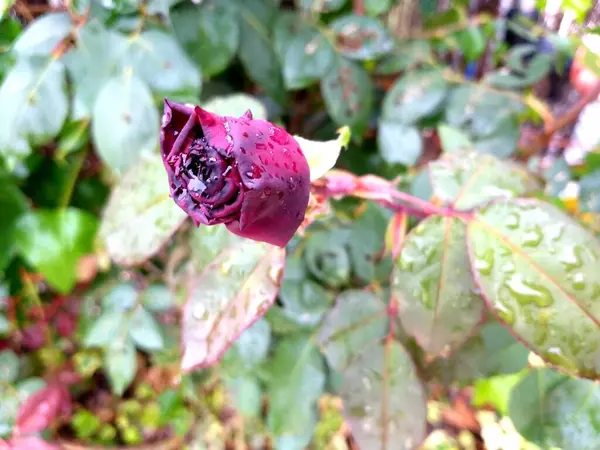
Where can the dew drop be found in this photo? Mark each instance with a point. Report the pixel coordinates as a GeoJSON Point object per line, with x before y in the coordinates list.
{"type": "Point", "coordinates": [260, 146]}
{"type": "Point", "coordinates": [227, 171]}
{"type": "Point", "coordinates": [485, 263]}
{"type": "Point", "coordinates": [526, 292]}
{"type": "Point", "coordinates": [505, 313]}
{"type": "Point", "coordinates": [578, 282]}
{"type": "Point", "coordinates": [533, 237]}
{"type": "Point", "coordinates": [280, 195]}
{"type": "Point", "coordinates": [254, 172]}
{"type": "Point", "coordinates": [554, 355]}
{"type": "Point", "coordinates": [199, 312]}
{"type": "Point", "coordinates": [245, 134]}
{"type": "Point", "coordinates": [572, 257]}
{"type": "Point", "coordinates": [514, 220]}
{"type": "Point", "coordinates": [259, 134]}
{"type": "Point", "coordinates": [294, 167]}
{"type": "Point", "coordinates": [279, 136]}
{"type": "Point", "coordinates": [243, 150]}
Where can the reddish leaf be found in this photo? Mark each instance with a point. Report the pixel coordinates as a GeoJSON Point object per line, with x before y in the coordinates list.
{"type": "Point", "coordinates": [34, 337]}
{"type": "Point", "coordinates": [30, 443]}
{"type": "Point", "coordinates": [40, 409]}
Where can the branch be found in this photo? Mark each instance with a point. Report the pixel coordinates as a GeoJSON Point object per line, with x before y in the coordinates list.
{"type": "Point", "coordinates": [339, 183]}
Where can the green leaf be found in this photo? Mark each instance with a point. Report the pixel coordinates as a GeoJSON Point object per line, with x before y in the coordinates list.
{"type": "Point", "coordinates": [555, 411]}
{"type": "Point", "coordinates": [384, 402]}
{"type": "Point", "coordinates": [308, 58]}
{"type": "Point", "coordinates": [144, 331]}
{"type": "Point", "coordinates": [104, 330]}
{"type": "Point", "coordinates": [157, 298]}
{"type": "Point", "coordinates": [404, 57]}
{"type": "Point", "coordinates": [557, 176]}
{"type": "Point", "coordinates": [227, 296]}
{"type": "Point", "coordinates": [356, 322]}
{"type": "Point", "coordinates": [320, 5]}
{"type": "Point", "coordinates": [288, 25]}
{"type": "Point", "coordinates": [377, 7]}
{"type": "Point", "coordinates": [327, 257]}
{"type": "Point", "coordinates": [252, 347]}
{"type": "Point", "coordinates": [471, 42]}
{"type": "Point", "coordinates": [256, 52]}
{"type": "Point", "coordinates": [43, 35]}
{"type": "Point", "coordinates": [92, 63]}
{"type": "Point", "coordinates": [539, 271]}
{"type": "Point", "coordinates": [590, 192]}
{"type": "Point", "coordinates": [120, 364]}
{"type": "Point", "coordinates": [503, 141]}
{"type": "Point", "coordinates": [245, 393]}
{"type": "Point", "coordinates": [322, 156]}
{"type": "Point", "coordinates": [74, 137]}
{"type": "Point", "coordinates": [495, 392]}
{"type": "Point", "coordinates": [235, 105]}
{"type": "Point", "coordinates": [125, 122]}
{"type": "Point", "coordinates": [437, 299]}
{"type": "Point", "coordinates": [415, 96]}
{"type": "Point", "coordinates": [479, 110]}
{"type": "Point", "coordinates": [491, 352]}
{"type": "Point", "coordinates": [140, 216]}
{"type": "Point", "coordinates": [209, 33]}
{"type": "Point", "coordinates": [5, 6]}
{"type": "Point", "coordinates": [122, 297]}
{"type": "Point", "coordinates": [33, 107]}
{"type": "Point", "coordinates": [361, 37]}
{"type": "Point", "coordinates": [9, 366]}
{"type": "Point", "coordinates": [13, 205]}
{"type": "Point", "coordinates": [399, 143]}
{"type": "Point", "coordinates": [305, 302]}
{"type": "Point", "coordinates": [53, 241]}
{"type": "Point", "coordinates": [296, 381]}
{"type": "Point", "coordinates": [348, 94]}
{"type": "Point", "coordinates": [468, 179]}
{"type": "Point", "coordinates": [366, 245]}
{"type": "Point", "coordinates": [453, 139]}
{"type": "Point", "coordinates": [156, 58]}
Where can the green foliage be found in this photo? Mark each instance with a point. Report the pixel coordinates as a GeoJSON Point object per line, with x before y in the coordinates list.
{"type": "Point", "coordinates": [472, 268]}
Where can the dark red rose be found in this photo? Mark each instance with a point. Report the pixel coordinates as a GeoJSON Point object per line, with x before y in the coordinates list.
{"type": "Point", "coordinates": [247, 174]}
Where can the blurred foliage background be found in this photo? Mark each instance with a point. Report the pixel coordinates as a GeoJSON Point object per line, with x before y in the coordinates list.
{"type": "Point", "coordinates": [96, 262]}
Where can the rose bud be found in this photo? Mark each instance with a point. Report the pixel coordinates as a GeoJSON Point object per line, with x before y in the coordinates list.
{"type": "Point", "coordinates": [247, 174]}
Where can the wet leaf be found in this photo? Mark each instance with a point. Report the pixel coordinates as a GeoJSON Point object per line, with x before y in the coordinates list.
{"type": "Point", "coordinates": [9, 366]}
{"type": "Point", "coordinates": [468, 179]}
{"type": "Point", "coordinates": [296, 381]}
{"type": "Point", "coordinates": [356, 322]}
{"type": "Point", "coordinates": [376, 7]}
{"type": "Point", "coordinates": [326, 256]}
{"type": "Point", "coordinates": [493, 351]}
{"type": "Point", "coordinates": [227, 296]}
{"type": "Point", "coordinates": [92, 63]}
{"type": "Point", "coordinates": [43, 34]}
{"type": "Point", "coordinates": [157, 59]}
{"type": "Point", "coordinates": [438, 302]}
{"type": "Point", "coordinates": [479, 110]}
{"type": "Point", "coordinates": [250, 349]}
{"type": "Point", "coordinates": [33, 107]}
{"type": "Point", "coordinates": [53, 241]}
{"type": "Point", "coordinates": [556, 411]}
{"type": "Point", "coordinates": [105, 328]}
{"type": "Point", "coordinates": [415, 96]}
{"type": "Point", "coordinates": [320, 5]}
{"type": "Point", "coordinates": [361, 37]}
{"type": "Point", "coordinates": [245, 393]}
{"type": "Point", "coordinates": [453, 139]}
{"type": "Point", "coordinates": [256, 51]}
{"type": "Point", "coordinates": [209, 33]}
{"type": "Point", "coordinates": [140, 216]}
{"type": "Point", "coordinates": [124, 122]}
{"type": "Point", "coordinates": [590, 192]}
{"type": "Point", "coordinates": [399, 143]}
{"type": "Point", "coordinates": [384, 402]}
{"type": "Point", "coordinates": [145, 331]}
{"type": "Point", "coordinates": [539, 272]}
{"type": "Point", "coordinates": [348, 94]}
{"type": "Point", "coordinates": [495, 392]}
{"type": "Point", "coordinates": [120, 364]}
{"type": "Point", "coordinates": [404, 57]}
{"type": "Point", "coordinates": [157, 298]}
{"type": "Point", "coordinates": [13, 205]}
